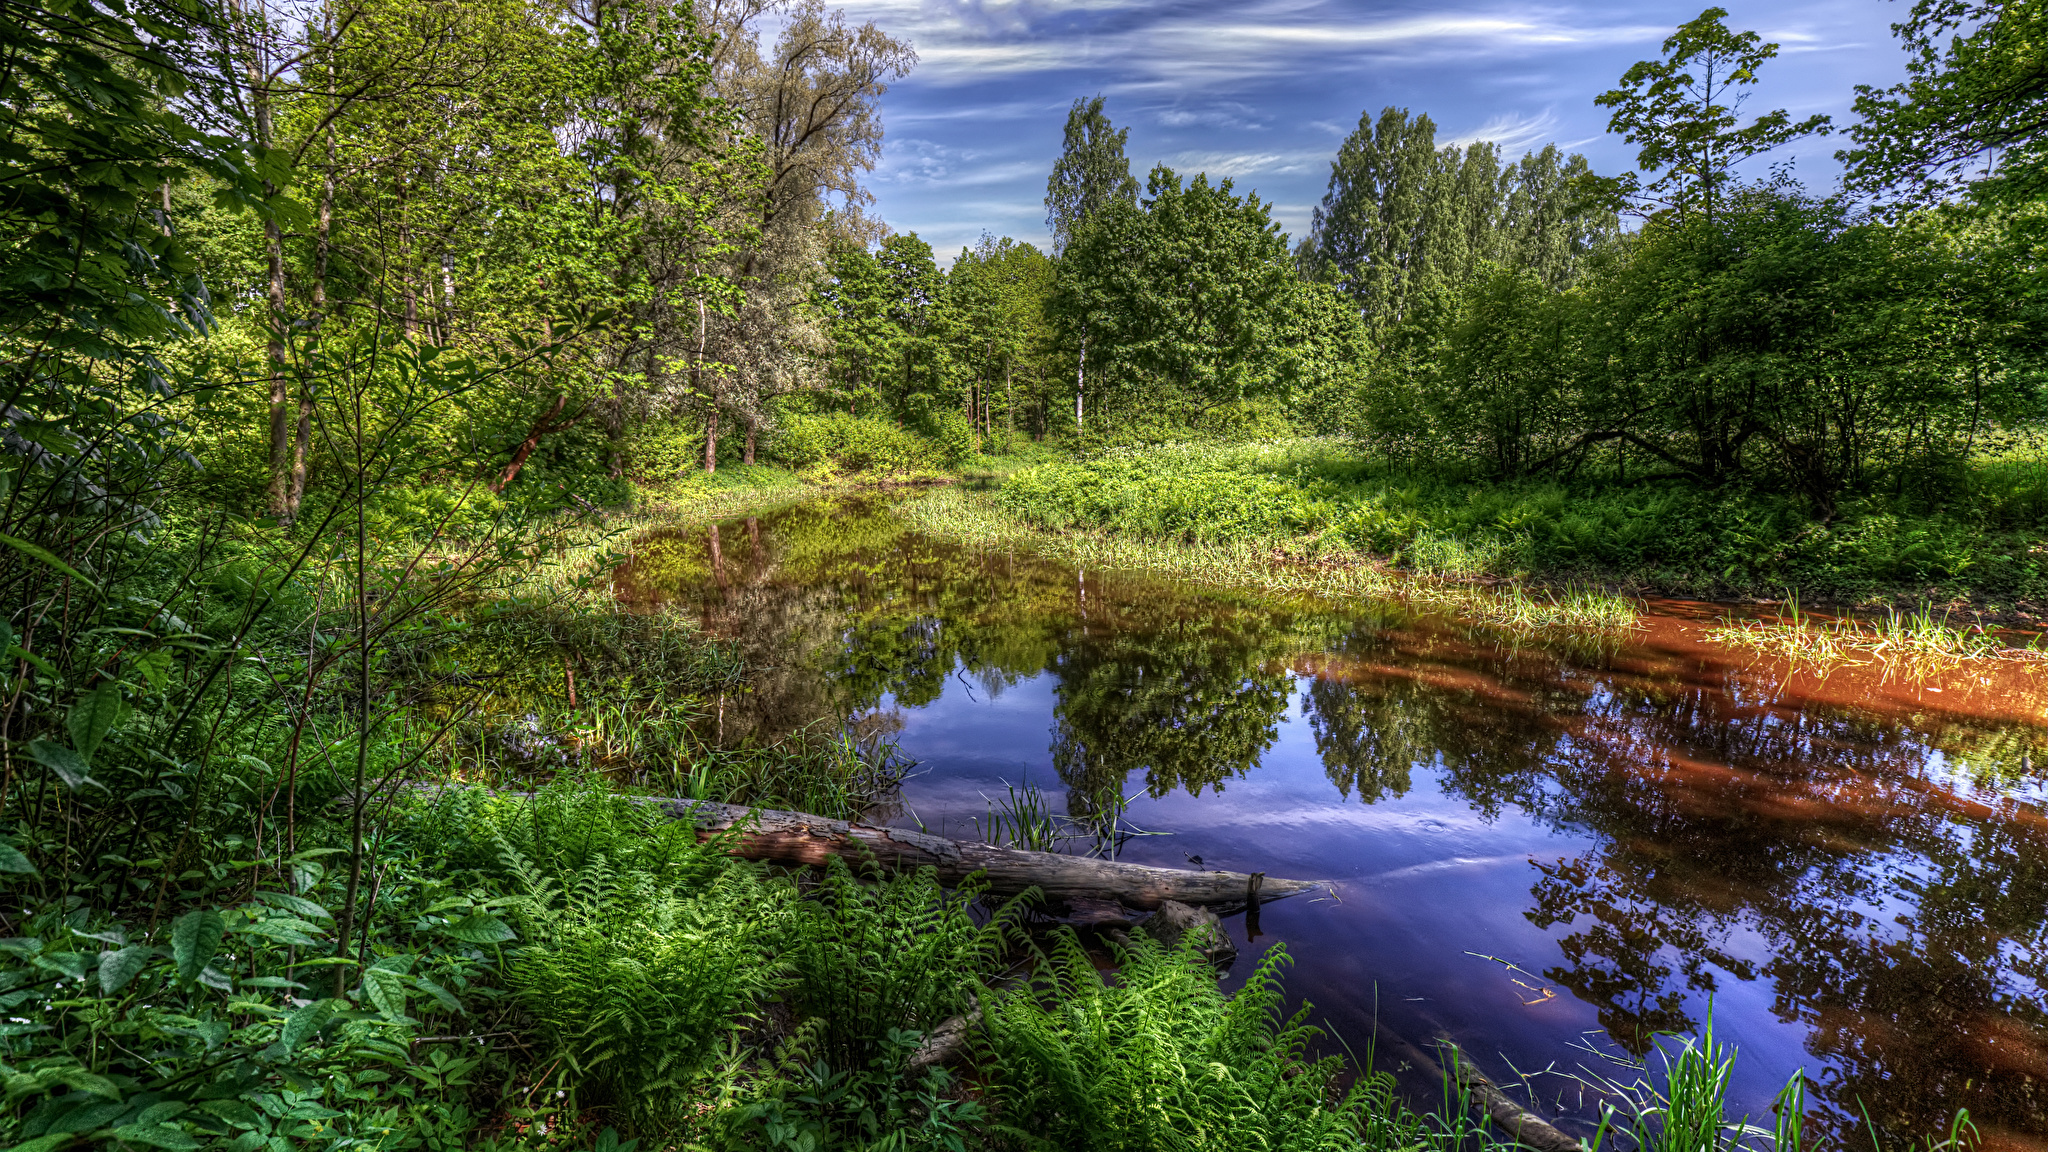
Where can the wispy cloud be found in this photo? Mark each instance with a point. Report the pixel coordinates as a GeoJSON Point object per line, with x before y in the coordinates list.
{"type": "Point", "coordinates": [1512, 131]}
{"type": "Point", "coordinates": [1238, 165]}
{"type": "Point", "coordinates": [1144, 42]}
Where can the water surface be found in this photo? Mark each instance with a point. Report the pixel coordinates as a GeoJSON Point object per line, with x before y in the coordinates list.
{"type": "Point", "coordinates": [1548, 849]}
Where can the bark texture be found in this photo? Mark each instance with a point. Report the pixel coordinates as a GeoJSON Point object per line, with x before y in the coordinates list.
{"type": "Point", "coordinates": [1068, 881]}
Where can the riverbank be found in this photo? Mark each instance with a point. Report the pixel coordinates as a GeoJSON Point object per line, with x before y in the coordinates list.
{"type": "Point", "coordinates": [1317, 503]}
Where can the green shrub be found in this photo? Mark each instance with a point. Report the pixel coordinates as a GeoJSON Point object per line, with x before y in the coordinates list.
{"type": "Point", "coordinates": [953, 434]}
{"type": "Point", "coordinates": [1182, 492]}
{"type": "Point", "coordinates": [1668, 535]}
{"type": "Point", "coordinates": [658, 450]}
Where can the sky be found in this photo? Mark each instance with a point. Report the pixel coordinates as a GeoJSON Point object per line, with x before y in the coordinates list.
{"type": "Point", "coordinates": [1264, 91]}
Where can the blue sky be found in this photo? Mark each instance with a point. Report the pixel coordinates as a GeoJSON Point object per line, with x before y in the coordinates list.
{"type": "Point", "coordinates": [1265, 90]}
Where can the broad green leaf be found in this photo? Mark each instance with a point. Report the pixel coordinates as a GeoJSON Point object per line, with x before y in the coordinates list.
{"type": "Point", "coordinates": [156, 668]}
{"type": "Point", "coordinates": [307, 1021]}
{"type": "Point", "coordinates": [439, 993]}
{"type": "Point", "coordinates": [119, 967]}
{"type": "Point", "coordinates": [385, 989]}
{"type": "Point", "coordinates": [299, 904]}
{"type": "Point", "coordinates": [479, 928]}
{"type": "Point", "coordinates": [93, 717]}
{"type": "Point", "coordinates": [156, 1136]}
{"type": "Point", "coordinates": [194, 939]}
{"type": "Point", "coordinates": [69, 766]}
{"type": "Point", "coordinates": [44, 555]}
{"type": "Point", "coordinates": [83, 1081]}
{"type": "Point", "coordinates": [161, 1111]}
{"type": "Point", "coordinates": [71, 965]}
{"type": "Point", "coordinates": [288, 929]}
{"type": "Point", "coordinates": [11, 860]}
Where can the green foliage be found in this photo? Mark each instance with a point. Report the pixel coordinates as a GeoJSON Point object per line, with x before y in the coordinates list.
{"type": "Point", "coordinates": [633, 976]}
{"type": "Point", "coordinates": [1783, 342]}
{"type": "Point", "coordinates": [1179, 296]}
{"type": "Point", "coordinates": [1682, 109]}
{"type": "Point", "coordinates": [1316, 497]}
{"type": "Point", "coordinates": [1091, 174]}
{"type": "Point", "coordinates": [822, 443]}
{"type": "Point", "coordinates": [1968, 116]}
{"type": "Point", "coordinates": [1404, 221]}
{"type": "Point", "coordinates": [887, 954]}
{"type": "Point", "coordinates": [108, 96]}
{"type": "Point", "coordinates": [1183, 492]}
{"type": "Point", "coordinates": [1161, 1060]}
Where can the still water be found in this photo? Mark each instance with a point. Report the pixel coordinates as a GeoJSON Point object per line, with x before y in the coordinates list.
{"type": "Point", "coordinates": [1546, 849]}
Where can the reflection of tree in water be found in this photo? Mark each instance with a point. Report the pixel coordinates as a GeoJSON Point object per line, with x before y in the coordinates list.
{"type": "Point", "coordinates": [1369, 741]}
{"type": "Point", "coordinates": [1188, 703]}
{"type": "Point", "coordinates": [1903, 922]}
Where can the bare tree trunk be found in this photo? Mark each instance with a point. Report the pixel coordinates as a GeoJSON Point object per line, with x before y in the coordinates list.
{"type": "Point", "coordinates": [447, 294]}
{"type": "Point", "coordinates": [711, 438]}
{"type": "Point", "coordinates": [279, 495]}
{"type": "Point", "coordinates": [280, 385]}
{"type": "Point", "coordinates": [541, 427]}
{"type": "Point", "coordinates": [1080, 379]}
{"type": "Point", "coordinates": [747, 452]}
{"type": "Point", "coordinates": [323, 233]}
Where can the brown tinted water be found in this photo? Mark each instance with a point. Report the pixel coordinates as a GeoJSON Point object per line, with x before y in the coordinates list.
{"type": "Point", "coordinates": [1546, 848]}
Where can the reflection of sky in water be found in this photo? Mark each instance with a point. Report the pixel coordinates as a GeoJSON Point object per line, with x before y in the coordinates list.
{"type": "Point", "coordinates": [1427, 881]}
{"type": "Point", "coordinates": [1851, 867]}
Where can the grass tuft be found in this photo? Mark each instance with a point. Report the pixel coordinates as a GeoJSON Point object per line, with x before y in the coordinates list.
{"type": "Point", "coordinates": [1918, 639]}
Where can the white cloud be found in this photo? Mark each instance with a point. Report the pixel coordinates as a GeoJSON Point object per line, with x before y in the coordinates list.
{"type": "Point", "coordinates": [1238, 165]}
{"type": "Point", "coordinates": [1513, 132]}
{"type": "Point", "coordinates": [1222, 114]}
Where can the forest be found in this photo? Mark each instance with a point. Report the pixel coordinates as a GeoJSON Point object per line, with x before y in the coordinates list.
{"type": "Point", "coordinates": [350, 342]}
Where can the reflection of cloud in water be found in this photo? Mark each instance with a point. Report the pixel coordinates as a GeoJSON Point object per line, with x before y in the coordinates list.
{"type": "Point", "coordinates": [1450, 864]}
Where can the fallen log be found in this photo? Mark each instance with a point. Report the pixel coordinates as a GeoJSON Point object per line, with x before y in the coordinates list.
{"type": "Point", "coordinates": [1079, 883]}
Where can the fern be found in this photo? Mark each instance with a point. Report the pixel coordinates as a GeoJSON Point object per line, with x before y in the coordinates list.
{"type": "Point", "coordinates": [898, 953]}
{"type": "Point", "coordinates": [1160, 1060]}
{"type": "Point", "coordinates": [631, 983]}
{"type": "Point", "coordinates": [563, 828]}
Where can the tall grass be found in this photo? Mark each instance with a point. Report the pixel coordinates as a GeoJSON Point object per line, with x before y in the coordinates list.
{"type": "Point", "coordinates": [1915, 639]}
{"type": "Point", "coordinates": [1685, 1109]}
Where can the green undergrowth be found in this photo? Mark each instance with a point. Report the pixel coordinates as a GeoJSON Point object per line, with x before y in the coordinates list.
{"type": "Point", "coordinates": [733, 489]}
{"type": "Point", "coordinates": [1320, 500]}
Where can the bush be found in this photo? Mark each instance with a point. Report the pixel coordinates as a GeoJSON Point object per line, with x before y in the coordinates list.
{"type": "Point", "coordinates": [835, 441]}
{"type": "Point", "coordinates": [898, 953]}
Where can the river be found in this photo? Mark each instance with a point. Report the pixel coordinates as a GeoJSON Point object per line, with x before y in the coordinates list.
{"type": "Point", "coordinates": [1546, 848]}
